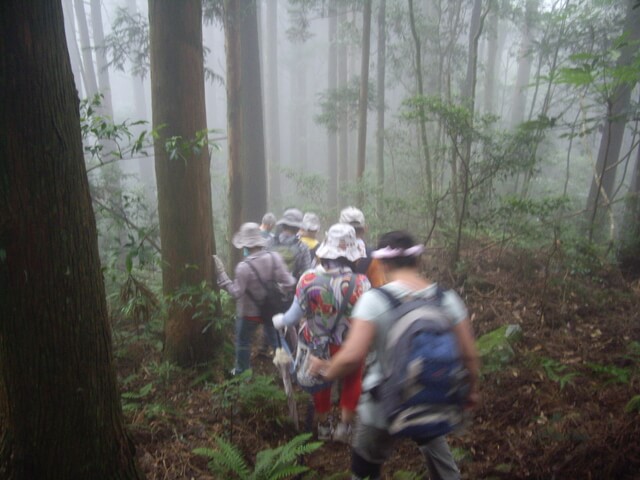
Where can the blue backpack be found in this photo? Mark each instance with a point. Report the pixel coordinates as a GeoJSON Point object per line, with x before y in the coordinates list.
{"type": "Point", "coordinates": [424, 383]}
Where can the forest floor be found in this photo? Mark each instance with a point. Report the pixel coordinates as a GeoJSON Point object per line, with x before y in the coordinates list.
{"type": "Point", "coordinates": [557, 410]}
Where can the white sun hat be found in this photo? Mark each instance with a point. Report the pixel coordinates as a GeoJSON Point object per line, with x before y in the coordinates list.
{"type": "Point", "coordinates": [249, 236]}
{"type": "Point", "coordinates": [310, 222]}
{"type": "Point", "coordinates": [353, 216]}
{"type": "Point", "coordinates": [340, 241]}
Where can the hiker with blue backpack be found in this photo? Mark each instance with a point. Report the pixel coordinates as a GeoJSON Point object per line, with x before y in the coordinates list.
{"type": "Point", "coordinates": [325, 296]}
{"type": "Point", "coordinates": [253, 275]}
{"type": "Point", "coordinates": [422, 374]}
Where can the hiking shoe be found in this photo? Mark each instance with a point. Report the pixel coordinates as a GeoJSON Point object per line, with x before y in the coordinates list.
{"type": "Point", "coordinates": [324, 431]}
{"type": "Point", "coordinates": [342, 433]}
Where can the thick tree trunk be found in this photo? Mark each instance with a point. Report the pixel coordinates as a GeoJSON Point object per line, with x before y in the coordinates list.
{"type": "Point", "coordinates": [364, 96]}
{"type": "Point", "coordinates": [380, 85]}
{"type": "Point", "coordinates": [59, 403]}
{"type": "Point", "coordinates": [184, 184]}
{"type": "Point", "coordinates": [519, 100]}
{"type": "Point", "coordinates": [602, 185]}
{"type": "Point", "coordinates": [247, 169]}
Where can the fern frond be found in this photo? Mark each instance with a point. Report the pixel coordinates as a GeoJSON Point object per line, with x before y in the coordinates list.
{"type": "Point", "coordinates": [226, 460]}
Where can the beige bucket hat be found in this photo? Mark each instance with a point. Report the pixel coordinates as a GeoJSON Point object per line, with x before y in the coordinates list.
{"type": "Point", "coordinates": [249, 236]}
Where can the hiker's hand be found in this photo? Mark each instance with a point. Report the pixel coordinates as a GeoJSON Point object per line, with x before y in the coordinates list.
{"type": "Point", "coordinates": [218, 264]}
{"type": "Point", "coordinates": [317, 366]}
{"type": "Point", "coordinates": [221, 275]}
{"type": "Point", "coordinates": [473, 399]}
{"type": "Point", "coordinates": [278, 321]}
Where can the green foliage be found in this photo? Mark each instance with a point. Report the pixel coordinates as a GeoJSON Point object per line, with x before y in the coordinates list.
{"type": "Point", "coordinates": [128, 42]}
{"type": "Point", "coordinates": [180, 148]}
{"type": "Point", "coordinates": [557, 372]}
{"type": "Point", "coordinates": [633, 405]}
{"type": "Point", "coordinates": [251, 395]}
{"type": "Point", "coordinates": [279, 463]}
{"type": "Point", "coordinates": [612, 373]}
{"type": "Point", "coordinates": [343, 103]}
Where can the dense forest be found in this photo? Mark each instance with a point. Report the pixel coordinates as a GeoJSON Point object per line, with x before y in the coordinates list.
{"type": "Point", "coordinates": [137, 136]}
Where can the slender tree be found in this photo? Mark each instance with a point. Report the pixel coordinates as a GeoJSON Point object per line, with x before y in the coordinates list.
{"type": "Point", "coordinates": [59, 402]}
{"type": "Point", "coordinates": [364, 95]}
{"type": "Point", "coordinates": [273, 108]}
{"type": "Point", "coordinates": [88, 70]}
{"type": "Point", "coordinates": [380, 86]}
{"type": "Point", "coordinates": [602, 185]}
{"type": "Point", "coordinates": [332, 83]}
{"type": "Point", "coordinates": [182, 171]}
{"type": "Point", "coordinates": [247, 170]}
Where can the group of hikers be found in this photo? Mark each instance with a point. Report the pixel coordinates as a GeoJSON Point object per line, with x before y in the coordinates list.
{"type": "Point", "coordinates": [344, 294]}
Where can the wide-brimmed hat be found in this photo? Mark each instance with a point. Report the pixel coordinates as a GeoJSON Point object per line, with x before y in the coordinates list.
{"type": "Point", "coordinates": [353, 216]}
{"type": "Point", "coordinates": [340, 241]}
{"type": "Point", "coordinates": [249, 236]}
{"type": "Point", "coordinates": [310, 222]}
{"type": "Point", "coordinates": [292, 217]}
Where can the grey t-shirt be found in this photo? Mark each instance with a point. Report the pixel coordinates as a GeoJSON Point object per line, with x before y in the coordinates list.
{"type": "Point", "coordinates": [373, 307]}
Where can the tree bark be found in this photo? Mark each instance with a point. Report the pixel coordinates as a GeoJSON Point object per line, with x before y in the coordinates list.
{"type": "Point", "coordinates": [364, 96]}
{"type": "Point", "coordinates": [184, 184]}
{"type": "Point", "coordinates": [59, 403]}
{"type": "Point", "coordinates": [247, 169]}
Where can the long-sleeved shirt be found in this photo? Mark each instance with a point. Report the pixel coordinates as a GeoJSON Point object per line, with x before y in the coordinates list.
{"type": "Point", "coordinates": [269, 265]}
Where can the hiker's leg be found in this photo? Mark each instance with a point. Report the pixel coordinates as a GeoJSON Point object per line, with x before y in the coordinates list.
{"type": "Point", "coordinates": [439, 459]}
{"type": "Point", "coordinates": [351, 390]}
{"type": "Point", "coordinates": [369, 450]}
{"type": "Point", "coordinates": [322, 404]}
{"type": "Point", "coordinates": [244, 334]}
{"type": "Point", "coordinates": [270, 335]}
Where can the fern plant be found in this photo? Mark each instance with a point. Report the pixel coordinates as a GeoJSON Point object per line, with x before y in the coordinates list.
{"type": "Point", "coordinates": [278, 463]}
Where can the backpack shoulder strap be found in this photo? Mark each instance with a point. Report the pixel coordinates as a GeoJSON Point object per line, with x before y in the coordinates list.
{"type": "Point", "coordinates": [345, 302]}
{"type": "Point", "coordinates": [255, 271]}
{"type": "Point", "coordinates": [393, 300]}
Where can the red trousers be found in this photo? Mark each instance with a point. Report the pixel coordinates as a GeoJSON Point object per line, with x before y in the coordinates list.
{"type": "Point", "coordinates": [351, 389]}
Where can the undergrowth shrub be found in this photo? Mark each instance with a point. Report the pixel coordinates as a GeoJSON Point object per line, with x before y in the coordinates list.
{"type": "Point", "coordinates": [283, 462]}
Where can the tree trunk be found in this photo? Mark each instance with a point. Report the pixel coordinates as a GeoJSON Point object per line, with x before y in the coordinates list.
{"type": "Point", "coordinates": [184, 185]}
{"type": "Point", "coordinates": [88, 72]}
{"type": "Point", "coordinates": [59, 402]}
{"type": "Point", "coordinates": [72, 45]}
{"type": "Point", "coordinates": [364, 96]}
{"type": "Point", "coordinates": [273, 109]}
{"type": "Point", "coordinates": [380, 85]}
{"type": "Point", "coordinates": [101, 57]}
{"type": "Point", "coordinates": [493, 55]}
{"type": "Point", "coordinates": [145, 165]}
{"type": "Point", "coordinates": [343, 124]}
{"type": "Point", "coordinates": [247, 170]}
{"type": "Point", "coordinates": [332, 83]}
{"type": "Point", "coordinates": [422, 114]}
{"type": "Point", "coordinates": [519, 101]}
{"type": "Point", "coordinates": [469, 98]}
{"type": "Point", "coordinates": [602, 185]}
